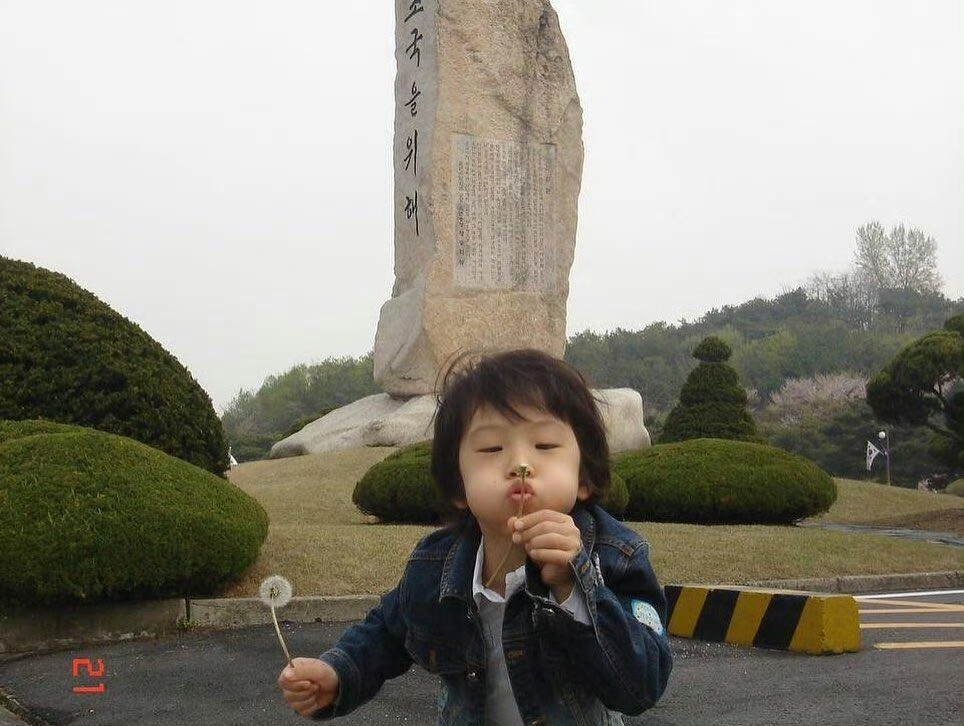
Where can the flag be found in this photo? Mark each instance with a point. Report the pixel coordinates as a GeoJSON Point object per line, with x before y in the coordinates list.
{"type": "Point", "coordinates": [872, 452]}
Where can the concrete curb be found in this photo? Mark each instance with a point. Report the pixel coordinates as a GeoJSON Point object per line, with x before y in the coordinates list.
{"type": "Point", "coordinates": [46, 630]}
{"type": "Point", "coordinates": [240, 612]}
{"type": "Point", "coordinates": [815, 623]}
{"type": "Point", "coordinates": [860, 584]}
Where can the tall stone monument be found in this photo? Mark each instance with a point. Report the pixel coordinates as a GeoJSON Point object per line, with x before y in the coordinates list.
{"type": "Point", "coordinates": [488, 162]}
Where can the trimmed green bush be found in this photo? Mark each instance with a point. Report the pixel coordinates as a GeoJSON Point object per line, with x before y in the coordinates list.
{"type": "Point", "coordinates": [66, 356]}
{"type": "Point", "coordinates": [10, 430]}
{"type": "Point", "coordinates": [956, 488]}
{"type": "Point", "coordinates": [87, 516]}
{"type": "Point", "coordinates": [712, 350]}
{"type": "Point", "coordinates": [400, 488]}
{"type": "Point", "coordinates": [616, 498]}
{"type": "Point", "coordinates": [712, 403]}
{"type": "Point", "coordinates": [713, 481]}
{"type": "Point", "coordinates": [955, 323]}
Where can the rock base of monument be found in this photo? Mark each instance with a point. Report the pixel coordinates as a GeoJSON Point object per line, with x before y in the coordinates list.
{"type": "Point", "coordinates": [382, 420]}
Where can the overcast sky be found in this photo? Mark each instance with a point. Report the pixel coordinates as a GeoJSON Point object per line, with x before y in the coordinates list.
{"type": "Point", "coordinates": [220, 171]}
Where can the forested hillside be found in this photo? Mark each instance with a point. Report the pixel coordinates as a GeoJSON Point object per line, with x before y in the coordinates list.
{"type": "Point", "coordinates": [795, 335]}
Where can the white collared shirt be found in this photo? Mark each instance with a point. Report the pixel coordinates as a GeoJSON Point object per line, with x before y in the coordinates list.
{"type": "Point", "coordinates": [500, 706]}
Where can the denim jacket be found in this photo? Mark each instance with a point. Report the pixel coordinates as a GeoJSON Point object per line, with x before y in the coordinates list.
{"type": "Point", "coordinates": [562, 671]}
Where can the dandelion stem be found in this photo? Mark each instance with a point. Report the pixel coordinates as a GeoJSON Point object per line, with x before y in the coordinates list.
{"type": "Point", "coordinates": [522, 503]}
{"type": "Point", "coordinates": [281, 639]}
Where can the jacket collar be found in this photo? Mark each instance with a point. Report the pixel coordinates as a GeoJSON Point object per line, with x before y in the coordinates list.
{"type": "Point", "coordinates": [456, 580]}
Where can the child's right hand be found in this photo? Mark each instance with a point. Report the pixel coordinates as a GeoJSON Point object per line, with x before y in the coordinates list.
{"type": "Point", "coordinates": [308, 685]}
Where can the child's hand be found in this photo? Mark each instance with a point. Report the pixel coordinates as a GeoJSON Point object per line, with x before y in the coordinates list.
{"type": "Point", "coordinates": [551, 540]}
{"type": "Point", "coordinates": [308, 684]}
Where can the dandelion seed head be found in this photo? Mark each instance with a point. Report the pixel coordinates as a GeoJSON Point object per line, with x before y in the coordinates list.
{"type": "Point", "coordinates": [275, 591]}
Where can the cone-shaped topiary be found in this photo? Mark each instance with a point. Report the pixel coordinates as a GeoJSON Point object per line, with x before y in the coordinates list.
{"type": "Point", "coordinates": [709, 481]}
{"type": "Point", "coordinates": [87, 517]}
{"type": "Point", "coordinates": [712, 350]}
{"type": "Point", "coordinates": [399, 488]}
{"type": "Point", "coordinates": [712, 404]}
{"type": "Point", "coordinates": [66, 356]}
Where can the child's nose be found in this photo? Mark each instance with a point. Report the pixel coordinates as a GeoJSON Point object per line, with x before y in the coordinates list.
{"type": "Point", "coordinates": [520, 471]}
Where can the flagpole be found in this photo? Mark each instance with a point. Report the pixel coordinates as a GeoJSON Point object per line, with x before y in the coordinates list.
{"type": "Point", "coordinates": [886, 444]}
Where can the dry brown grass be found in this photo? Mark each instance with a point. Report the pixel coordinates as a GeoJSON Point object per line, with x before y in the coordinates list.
{"type": "Point", "coordinates": [861, 502]}
{"type": "Point", "coordinates": [740, 554]}
{"type": "Point", "coordinates": [317, 538]}
{"type": "Point", "coordinates": [325, 546]}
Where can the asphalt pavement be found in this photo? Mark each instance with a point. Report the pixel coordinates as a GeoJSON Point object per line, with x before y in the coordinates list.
{"type": "Point", "coordinates": [208, 677]}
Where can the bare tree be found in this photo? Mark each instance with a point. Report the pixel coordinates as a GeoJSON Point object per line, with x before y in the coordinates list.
{"type": "Point", "coordinates": [901, 259]}
{"type": "Point", "coordinates": [850, 295]}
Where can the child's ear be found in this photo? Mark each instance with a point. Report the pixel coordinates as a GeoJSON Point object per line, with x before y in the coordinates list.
{"type": "Point", "coordinates": [582, 493]}
{"type": "Point", "coordinates": [460, 503]}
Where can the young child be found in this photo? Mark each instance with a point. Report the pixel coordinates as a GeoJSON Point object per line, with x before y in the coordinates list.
{"type": "Point", "coordinates": [551, 617]}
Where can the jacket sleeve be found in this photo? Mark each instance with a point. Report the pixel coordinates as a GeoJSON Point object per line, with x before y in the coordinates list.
{"type": "Point", "coordinates": [367, 655]}
{"type": "Point", "coordinates": [623, 656]}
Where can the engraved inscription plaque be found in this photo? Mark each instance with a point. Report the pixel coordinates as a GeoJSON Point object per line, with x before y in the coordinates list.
{"type": "Point", "coordinates": [504, 218]}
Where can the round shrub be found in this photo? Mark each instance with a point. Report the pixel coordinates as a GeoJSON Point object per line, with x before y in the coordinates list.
{"type": "Point", "coordinates": [956, 488]}
{"type": "Point", "coordinates": [616, 498]}
{"type": "Point", "coordinates": [713, 481]}
{"type": "Point", "coordinates": [400, 488]}
{"type": "Point", "coordinates": [10, 430]}
{"type": "Point", "coordinates": [955, 323]}
{"type": "Point", "coordinates": [87, 516]}
{"type": "Point", "coordinates": [66, 356]}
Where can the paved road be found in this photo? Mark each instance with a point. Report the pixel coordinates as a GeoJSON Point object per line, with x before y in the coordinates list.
{"type": "Point", "coordinates": [227, 677]}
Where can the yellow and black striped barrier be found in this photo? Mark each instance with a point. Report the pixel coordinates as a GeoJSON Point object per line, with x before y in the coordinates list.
{"type": "Point", "coordinates": [800, 621]}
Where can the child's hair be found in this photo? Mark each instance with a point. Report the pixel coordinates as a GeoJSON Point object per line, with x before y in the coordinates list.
{"type": "Point", "coordinates": [506, 381]}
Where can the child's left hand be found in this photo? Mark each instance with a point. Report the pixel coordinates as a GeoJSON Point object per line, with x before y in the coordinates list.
{"type": "Point", "coordinates": [551, 540]}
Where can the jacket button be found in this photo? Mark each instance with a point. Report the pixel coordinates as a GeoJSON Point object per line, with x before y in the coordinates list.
{"type": "Point", "coordinates": [473, 676]}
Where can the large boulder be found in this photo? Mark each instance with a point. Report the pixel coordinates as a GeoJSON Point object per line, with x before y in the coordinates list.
{"type": "Point", "coordinates": [381, 420]}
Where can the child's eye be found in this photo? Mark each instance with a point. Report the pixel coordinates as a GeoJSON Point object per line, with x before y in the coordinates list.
{"type": "Point", "coordinates": [546, 447]}
{"type": "Point", "coordinates": [490, 450]}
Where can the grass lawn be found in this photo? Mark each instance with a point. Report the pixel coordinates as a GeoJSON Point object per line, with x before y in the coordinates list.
{"type": "Point", "coordinates": [325, 546]}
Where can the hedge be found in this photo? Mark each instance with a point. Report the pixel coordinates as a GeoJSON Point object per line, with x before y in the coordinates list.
{"type": "Point", "coordinates": [87, 516]}
{"type": "Point", "coordinates": [716, 481]}
{"type": "Point", "coordinates": [400, 488]}
{"type": "Point", "coordinates": [66, 356]}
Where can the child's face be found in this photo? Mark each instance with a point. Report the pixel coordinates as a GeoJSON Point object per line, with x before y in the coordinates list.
{"type": "Point", "coordinates": [491, 452]}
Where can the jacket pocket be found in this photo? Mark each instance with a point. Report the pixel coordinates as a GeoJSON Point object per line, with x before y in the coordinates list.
{"type": "Point", "coordinates": [433, 655]}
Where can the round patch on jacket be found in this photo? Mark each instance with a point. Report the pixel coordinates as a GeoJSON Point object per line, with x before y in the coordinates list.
{"type": "Point", "coordinates": [647, 615]}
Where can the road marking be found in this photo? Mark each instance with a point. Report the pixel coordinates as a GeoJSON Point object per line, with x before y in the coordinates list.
{"type": "Point", "coordinates": [905, 611]}
{"type": "Point", "coordinates": [909, 594]}
{"type": "Point", "coordinates": [919, 606]}
{"type": "Point", "coordinates": [911, 625]}
{"type": "Point", "coordinates": [931, 644]}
